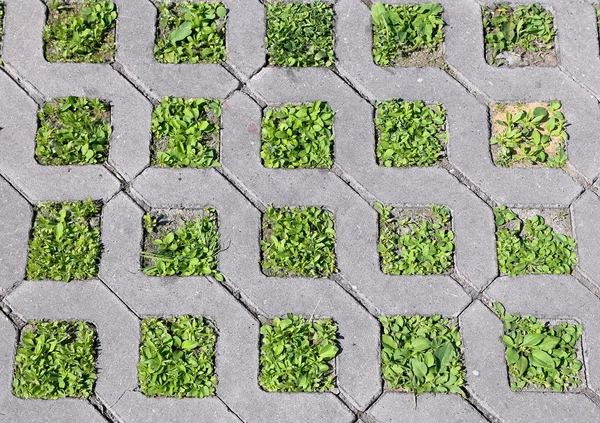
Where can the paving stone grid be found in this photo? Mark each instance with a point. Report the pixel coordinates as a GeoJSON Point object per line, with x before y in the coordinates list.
{"type": "Point", "coordinates": [467, 182]}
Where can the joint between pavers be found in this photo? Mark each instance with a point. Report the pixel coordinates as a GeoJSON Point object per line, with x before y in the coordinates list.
{"type": "Point", "coordinates": [246, 192]}
{"type": "Point", "coordinates": [470, 87]}
{"type": "Point", "coordinates": [470, 185]}
{"type": "Point", "coordinates": [231, 410]}
{"type": "Point", "coordinates": [485, 412]}
{"type": "Point", "coordinates": [30, 90]}
{"type": "Point", "coordinates": [359, 297]}
{"type": "Point", "coordinates": [358, 188]}
{"type": "Point", "coordinates": [101, 407]}
{"type": "Point", "coordinates": [136, 82]}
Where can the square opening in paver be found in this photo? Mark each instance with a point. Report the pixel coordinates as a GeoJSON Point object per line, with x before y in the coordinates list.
{"type": "Point", "coordinates": [80, 31]}
{"type": "Point", "coordinates": [1, 29]}
{"type": "Point", "coordinates": [415, 241]}
{"type": "Point", "coordinates": [297, 355]}
{"type": "Point", "coordinates": [598, 22]}
{"type": "Point", "coordinates": [181, 243]}
{"type": "Point", "coordinates": [177, 357]}
{"type": "Point", "coordinates": [519, 36]}
{"type": "Point", "coordinates": [300, 34]}
{"type": "Point", "coordinates": [408, 34]}
{"type": "Point", "coordinates": [529, 135]}
{"type": "Point", "coordinates": [410, 133]}
{"type": "Point", "coordinates": [65, 241]}
{"type": "Point", "coordinates": [534, 241]}
{"type": "Point", "coordinates": [55, 359]}
{"type": "Point", "coordinates": [186, 133]}
{"type": "Point", "coordinates": [298, 136]}
{"type": "Point", "coordinates": [191, 32]}
{"type": "Point", "coordinates": [542, 355]}
{"type": "Point", "coordinates": [73, 131]}
{"type": "Point", "coordinates": [422, 354]}
{"type": "Point", "coordinates": [298, 241]}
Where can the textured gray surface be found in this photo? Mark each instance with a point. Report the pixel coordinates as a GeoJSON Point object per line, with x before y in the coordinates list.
{"type": "Point", "coordinates": [467, 182]}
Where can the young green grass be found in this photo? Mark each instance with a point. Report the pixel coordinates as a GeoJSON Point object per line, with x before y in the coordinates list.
{"type": "Point", "coordinates": [415, 242]}
{"type": "Point", "coordinates": [528, 135]}
{"type": "Point", "coordinates": [177, 357]}
{"type": "Point", "coordinates": [531, 247]}
{"type": "Point", "coordinates": [422, 354]}
{"type": "Point", "coordinates": [399, 31]}
{"type": "Point", "coordinates": [65, 241]}
{"type": "Point", "coordinates": [186, 133]}
{"type": "Point", "coordinates": [298, 241]}
{"type": "Point", "coordinates": [191, 33]}
{"type": "Point", "coordinates": [526, 30]}
{"type": "Point", "coordinates": [300, 34]}
{"type": "Point", "coordinates": [410, 133]}
{"type": "Point", "coordinates": [540, 355]}
{"type": "Point", "coordinates": [80, 32]}
{"type": "Point", "coordinates": [55, 360]}
{"type": "Point", "coordinates": [296, 355]}
{"type": "Point", "coordinates": [182, 245]}
{"type": "Point", "coordinates": [298, 136]}
{"type": "Point", "coordinates": [73, 130]}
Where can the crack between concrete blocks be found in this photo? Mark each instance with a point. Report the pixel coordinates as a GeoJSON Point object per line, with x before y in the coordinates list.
{"type": "Point", "coordinates": [354, 185]}
{"type": "Point", "coordinates": [103, 409]}
{"type": "Point", "coordinates": [230, 409]}
{"type": "Point", "coordinates": [26, 86]}
{"type": "Point", "coordinates": [586, 281]}
{"type": "Point", "coordinates": [239, 186]}
{"type": "Point", "coordinates": [481, 409]}
{"type": "Point", "coordinates": [135, 82]}
{"type": "Point", "coordinates": [19, 191]}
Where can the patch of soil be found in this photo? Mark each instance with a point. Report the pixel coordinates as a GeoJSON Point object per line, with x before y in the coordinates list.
{"type": "Point", "coordinates": [421, 58]}
{"type": "Point", "coordinates": [167, 220]}
{"type": "Point", "coordinates": [499, 111]}
{"type": "Point", "coordinates": [559, 219]}
{"type": "Point", "coordinates": [521, 57]}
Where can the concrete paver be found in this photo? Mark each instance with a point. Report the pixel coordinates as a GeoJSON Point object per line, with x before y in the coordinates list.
{"type": "Point", "coordinates": [467, 181]}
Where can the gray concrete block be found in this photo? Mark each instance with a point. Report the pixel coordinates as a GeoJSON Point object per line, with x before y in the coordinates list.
{"type": "Point", "coordinates": [135, 51]}
{"type": "Point", "coordinates": [18, 119]}
{"type": "Point", "coordinates": [426, 408]}
{"type": "Point", "coordinates": [487, 375]}
{"type": "Point", "coordinates": [14, 232]}
{"type": "Point", "coordinates": [556, 297]}
{"type": "Point", "coordinates": [237, 343]}
{"type": "Point", "coordinates": [586, 215]}
{"type": "Point", "coordinates": [89, 301]}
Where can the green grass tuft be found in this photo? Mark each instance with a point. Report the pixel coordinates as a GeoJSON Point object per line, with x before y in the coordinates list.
{"type": "Point", "coordinates": [296, 355]}
{"type": "Point", "coordinates": [531, 137]}
{"type": "Point", "coordinates": [517, 29]}
{"type": "Point", "coordinates": [300, 34]}
{"type": "Point", "coordinates": [532, 247]}
{"type": "Point", "coordinates": [191, 33]}
{"type": "Point", "coordinates": [177, 357]}
{"type": "Point", "coordinates": [399, 31]}
{"type": "Point", "coordinates": [73, 131]}
{"type": "Point", "coordinates": [410, 133]}
{"type": "Point", "coordinates": [540, 355]}
{"type": "Point", "coordinates": [413, 243]}
{"type": "Point", "coordinates": [191, 249]}
{"type": "Point", "coordinates": [298, 242]}
{"type": "Point", "coordinates": [298, 136]}
{"type": "Point", "coordinates": [65, 241]}
{"type": "Point", "coordinates": [80, 32]}
{"type": "Point", "coordinates": [422, 354]}
{"type": "Point", "coordinates": [186, 133]}
{"type": "Point", "coordinates": [55, 360]}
